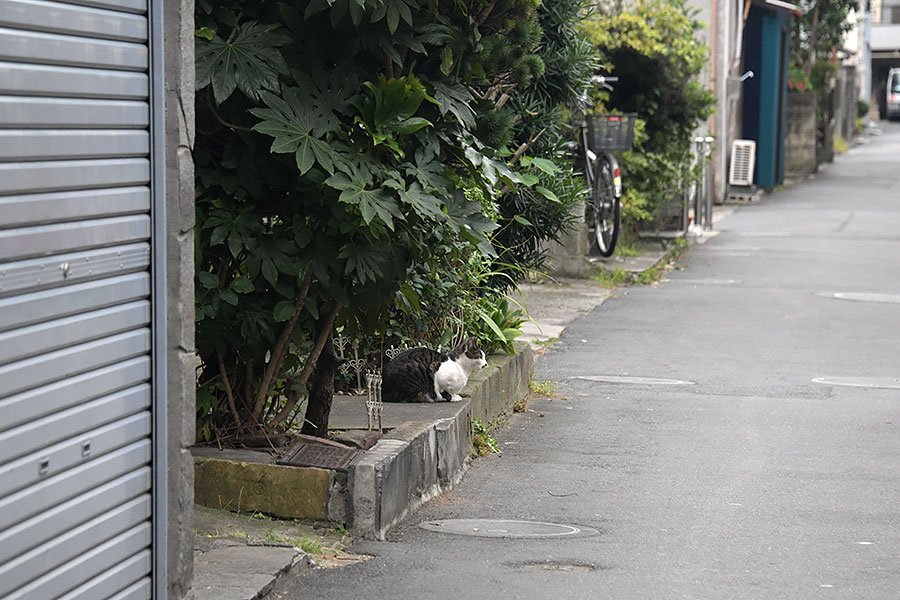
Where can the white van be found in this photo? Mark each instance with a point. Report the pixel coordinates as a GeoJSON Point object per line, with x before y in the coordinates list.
{"type": "Point", "coordinates": [893, 94]}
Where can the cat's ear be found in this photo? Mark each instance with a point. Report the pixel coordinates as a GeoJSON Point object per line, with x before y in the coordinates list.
{"type": "Point", "coordinates": [471, 343]}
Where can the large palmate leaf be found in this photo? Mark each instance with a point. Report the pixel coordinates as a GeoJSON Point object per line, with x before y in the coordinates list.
{"type": "Point", "coordinates": [455, 98]}
{"type": "Point", "coordinates": [249, 61]}
{"type": "Point", "coordinates": [371, 202]}
{"type": "Point", "coordinates": [297, 125]}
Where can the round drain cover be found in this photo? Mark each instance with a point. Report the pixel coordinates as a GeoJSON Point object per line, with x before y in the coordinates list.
{"type": "Point", "coordinates": [500, 528]}
{"type": "Point", "coordinates": [883, 383]}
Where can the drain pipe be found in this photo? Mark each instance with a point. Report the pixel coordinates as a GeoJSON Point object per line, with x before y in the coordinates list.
{"type": "Point", "coordinates": [703, 199]}
{"type": "Point", "coordinates": [708, 181]}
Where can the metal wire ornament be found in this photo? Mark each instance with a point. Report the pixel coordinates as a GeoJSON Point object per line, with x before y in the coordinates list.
{"type": "Point", "coordinates": [355, 364]}
{"type": "Point", "coordinates": [374, 405]}
{"type": "Point", "coordinates": [392, 352]}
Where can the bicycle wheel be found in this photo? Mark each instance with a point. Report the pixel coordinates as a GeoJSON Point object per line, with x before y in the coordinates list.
{"type": "Point", "coordinates": [606, 211]}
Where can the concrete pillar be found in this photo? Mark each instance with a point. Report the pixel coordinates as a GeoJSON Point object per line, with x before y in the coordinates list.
{"type": "Point", "coordinates": [179, 89]}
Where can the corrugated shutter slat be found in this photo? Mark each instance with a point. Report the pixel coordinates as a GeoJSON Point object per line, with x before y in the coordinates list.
{"type": "Point", "coordinates": [76, 311]}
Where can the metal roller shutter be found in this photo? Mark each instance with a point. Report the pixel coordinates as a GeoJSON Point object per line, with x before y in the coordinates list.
{"type": "Point", "coordinates": [80, 450]}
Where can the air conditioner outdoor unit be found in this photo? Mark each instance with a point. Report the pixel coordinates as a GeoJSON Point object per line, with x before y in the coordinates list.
{"type": "Point", "coordinates": [743, 160]}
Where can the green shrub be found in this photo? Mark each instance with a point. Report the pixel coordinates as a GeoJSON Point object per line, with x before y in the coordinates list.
{"type": "Point", "coordinates": [862, 109]}
{"type": "Point", "coordinates": [352, 171]}
{"type": "Point", "coordinates": [652, 46]}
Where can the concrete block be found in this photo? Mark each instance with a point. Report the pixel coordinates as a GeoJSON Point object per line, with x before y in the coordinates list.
{"type": "Point", "coordinates": [289, 492]}
{"type": "Point", "coordinates": [240, 572]}
{"type": "Point", "coordinates": [452, 446]}
{"type": "Point", "coordinates": [339, 498]}
{"type": "Point", "coordinates": [365, 487]}
{"type": "Point", "coordinates": [402, 480]}
{"type": "Point", "coordinates": [180, 501]}
{"type": "Point", "coordinates": [181, 384]}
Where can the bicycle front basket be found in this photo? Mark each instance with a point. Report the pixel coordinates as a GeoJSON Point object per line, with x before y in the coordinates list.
{"type": "Point", "coordinates": [611, 132]}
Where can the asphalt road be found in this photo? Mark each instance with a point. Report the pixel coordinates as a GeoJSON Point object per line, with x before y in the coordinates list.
{"type": "Point", "coordinates": [751, 480]}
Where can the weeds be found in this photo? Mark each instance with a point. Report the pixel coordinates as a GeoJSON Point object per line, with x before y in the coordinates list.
{"type": "Point", "coordinates": [308, 545]}
{"type": "Point", "coordinates": [521, 404]}
{"type": "Point", "coordinates": [611, 279]}
{"type": "Point", "coordinates": [542, 388]}
{"type": "Point", "coordinates": [484, 442]}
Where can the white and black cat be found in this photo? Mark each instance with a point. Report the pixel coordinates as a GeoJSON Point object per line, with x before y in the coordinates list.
{"type": "Point", "coordinates": [424, 375]}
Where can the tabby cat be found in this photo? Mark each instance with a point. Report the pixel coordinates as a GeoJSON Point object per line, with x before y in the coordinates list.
{"type": "Point", "coordinates": [424, 375]}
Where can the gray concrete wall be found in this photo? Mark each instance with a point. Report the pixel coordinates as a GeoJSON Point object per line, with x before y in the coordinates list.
{"type": "Point", "coordinates": [845, 102]}
{"type": "Point", "coordinates": [179, 64]}
{"type": "Point", "coordinates": [800, 139]}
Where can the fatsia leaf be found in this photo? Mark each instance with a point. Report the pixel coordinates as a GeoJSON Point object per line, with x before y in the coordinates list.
{"type": "Point", "coordinates": [251, 61]}
{"type": "Point", "coordinates": [296, 124]}
{"type": "Point", "coordinates": [372, 203]}
{"type": "Point", "coordinates": [455, 99]}
{"type": "Point", "coordinates": [425, 205]}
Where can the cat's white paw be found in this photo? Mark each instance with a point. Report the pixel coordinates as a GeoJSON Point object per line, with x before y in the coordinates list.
{"type": "Point", "coordinates": [455, 398]}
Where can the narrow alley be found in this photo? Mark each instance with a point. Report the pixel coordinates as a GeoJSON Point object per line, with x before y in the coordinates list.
{"type": "Point", "coordinates": [730, 433]}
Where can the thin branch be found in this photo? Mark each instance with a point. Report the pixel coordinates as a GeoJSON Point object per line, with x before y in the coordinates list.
{"type": "Point", "coordinates": [526, 145]}
{"type": "Point", "coordinates": [519, 152]}
{"type": "Point", "coordinates": [228, 392]}
{"type": "Point", "coordinates": [309, 366]}
{"type": "Point", "coordinates": [280, 349]}
{"type": "Point", "coordinates": [248, 379]}
{"type": "Point", "coordinates": [218, 117]}
{"type": "Point", "coordinates": [485, 13]}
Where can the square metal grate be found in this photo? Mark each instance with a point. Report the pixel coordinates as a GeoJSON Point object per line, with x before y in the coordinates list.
{"type": "Point", "coordinates": [321, 456]}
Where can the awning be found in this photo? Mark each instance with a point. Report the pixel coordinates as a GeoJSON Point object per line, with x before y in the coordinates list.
{"type": "Point", "coordinates": [780, 6]}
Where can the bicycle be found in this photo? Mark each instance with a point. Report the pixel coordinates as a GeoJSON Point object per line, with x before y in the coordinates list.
{"type": "Point", "coordinates": [599, 136]}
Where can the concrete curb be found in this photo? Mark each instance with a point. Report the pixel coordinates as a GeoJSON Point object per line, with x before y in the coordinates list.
{"type": "Point", "coordinates": [412, 463]}
{"type": "Point", "coordinates": [240, 571]}
{"type": "Point", "coordinates": [417, 461]}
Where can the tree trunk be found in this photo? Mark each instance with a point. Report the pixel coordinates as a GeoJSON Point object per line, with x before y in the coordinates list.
{"type": "Point", "coordinates": [812, 40]}
{"type": "Point", "coordinates": [321, 386]}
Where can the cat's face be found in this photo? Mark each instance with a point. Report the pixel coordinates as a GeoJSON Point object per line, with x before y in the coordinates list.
{"type": "Point", "coordinates": [473, 355]}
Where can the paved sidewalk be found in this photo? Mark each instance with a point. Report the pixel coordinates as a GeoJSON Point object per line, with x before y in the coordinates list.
{"type": "Point", "coordinates": [240, 557]}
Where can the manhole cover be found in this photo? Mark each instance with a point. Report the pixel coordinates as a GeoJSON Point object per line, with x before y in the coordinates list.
{"type": "Point", "coordinates": [883, 383]}
{"type": "Point", "coordinates": [864, 297]}
{"type": "Point", "coordinates": [318, 455]}
{"type": "Point", "coordinates": [500, 528]}
{"type": "Point", "coordinates": [632, 380]}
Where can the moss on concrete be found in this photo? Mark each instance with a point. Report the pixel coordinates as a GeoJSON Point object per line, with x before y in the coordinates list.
{"type": "Point", "coordinates": [288, 492]}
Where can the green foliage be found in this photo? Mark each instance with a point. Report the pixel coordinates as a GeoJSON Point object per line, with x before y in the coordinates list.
{"type": "Point", "coordinates": [798, 80]}
{"type": "Point", "coordinates": [352, 168]}
{"type": "Point", "coordinates": [499, 325]}
{"type": "Point", "coordinates": [543, 387]}
{"type": "Point", "coordinates": [484, 442]}
{"type": "Point", "coordinates": [654, 50]}
{"type": "Point", "coordinates": [862, 109]}
{"type": "Point", "coordinates": [819, 30]}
